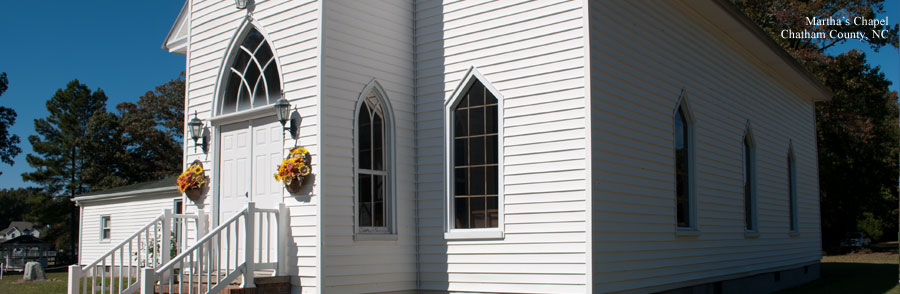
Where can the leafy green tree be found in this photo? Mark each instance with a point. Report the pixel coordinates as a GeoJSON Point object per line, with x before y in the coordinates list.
{"type": "Point", "coordinates": [152, 132]}
{"type": "Point", "coordinates": [12, 205]}
{"type": "Point", "coordinates": [8, 142]}
{"type": "Point", "coordinates": [858, 129]}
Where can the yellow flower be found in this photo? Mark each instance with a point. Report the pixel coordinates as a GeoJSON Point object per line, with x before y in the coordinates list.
{"type": "Point", "coordinates": [197, 169]}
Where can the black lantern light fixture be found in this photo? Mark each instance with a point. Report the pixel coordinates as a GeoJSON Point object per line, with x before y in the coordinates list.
{"type": "Point", "coordinates": [196, 128]}
{"type": "Point", "coordinates": [289, 122]}
{"type": "Point", "coordinates": [240, 4]}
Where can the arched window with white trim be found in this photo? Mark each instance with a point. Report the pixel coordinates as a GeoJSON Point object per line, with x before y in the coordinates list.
{"type": "Point", "coordinates": [792, 190]}
{"type": "Point", "coordinates": [685, 208]}
{"type": "Point", "coordinates": [374, 146]}
{"type": "Point", "coordinates": [252, 80]}
{"type": "Point", "coordinates": [749, 164]}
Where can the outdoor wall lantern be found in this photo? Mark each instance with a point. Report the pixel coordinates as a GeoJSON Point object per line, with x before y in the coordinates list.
{"type": "Point", "coordinates": [290, 122]}
{"type": "Point", "coordinates": [240, 4]}
{"type": "Point", "coordinates": [196, 128]}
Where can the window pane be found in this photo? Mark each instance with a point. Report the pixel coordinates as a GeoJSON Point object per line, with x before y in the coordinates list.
{"type": "Point", "coordinates": [461, 214]}
{"type": "Point", "coordinates": [461, 123]}
{"type": "Point", "coordinates": [273, 81]}
{"type": "Point", "coordinates": [378, 190]}
{"type": "Point", "coordinates": [476, 150]}
{"type": "Point", "coordinates": [476, 181]}
{"type": "Point", "coordinates": [492, 212]}
{"type": "Point", "coordinates": [460, 178]}
{"type": "Point", "coordinates": [244, 97]}
{"type": "Point", "coordinates": [460, 148]}
{"type": "Point", "coordinates": [229, 102]}
{"type": "Point", "coordinates": [252, 74]}
{"type": "Point", "coordinates": [365, 214]}
{"type": "Point", "coordinates": [478, 216]}
{"type": "Point", "coordinates": [491, 150]}
{"type": "Point", "coordinates": [491, 181]}
{"type": "Point", "coordinates": [489, 98]}
{"type": "Point", "coordinates": [682, 202]}
{"type": "Point", "coordinates": [365, 188]}
{"type": "Point", "coordinates": [476, 121]}
{"type": "Point", "coordinates": [365, 139]}
{"type": "Point", "coordinates": [792, 195]}
{"type": "Point", "coordinates": [252, 40]}
{"type": "Point", "coordinates": [263, 54]}
{"type": "Point", "coordinates": [476, 94]}
{"type": "Point", "coordinates": [259, 94]}
{"type": "Point", "coordinates": [378, 213]}
{"type": "Point", "coordinates": [377, 143]}
{"type": "Point", "coordinates": [491, 120]}
{"type": "Point", "coordinates": [241, 60]}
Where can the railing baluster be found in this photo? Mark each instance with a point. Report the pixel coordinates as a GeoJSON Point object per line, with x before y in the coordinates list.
{"type": "Point", "coordinates": [129, 262]}
{"type": "Point", "coordinates": [121, 265]}
{"type": "Point", "coordinates": [112, 272]}
{"type": "Point", "coordinates": [227, 250]}
{"type": "Point", "coordinates": [103, 277]}
{"type": "Point", "coordinates": [94, 279]}
{"type": "Point", "coordinates": [84, 282]}
{"type": "Point", "coordinates": [218, 255]}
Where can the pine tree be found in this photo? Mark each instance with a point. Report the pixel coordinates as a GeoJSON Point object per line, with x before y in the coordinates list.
{"type": "Point", "coordinates": [69, 159]}
{"type": "Point", "coordinates": [8, 142]}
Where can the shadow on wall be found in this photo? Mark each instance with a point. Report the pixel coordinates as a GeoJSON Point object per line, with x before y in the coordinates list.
{"type": "Point", "coordinates": [430, 57]}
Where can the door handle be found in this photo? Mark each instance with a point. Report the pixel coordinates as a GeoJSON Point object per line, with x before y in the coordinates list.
{"type": "Point", "coordinates": [247, 195]}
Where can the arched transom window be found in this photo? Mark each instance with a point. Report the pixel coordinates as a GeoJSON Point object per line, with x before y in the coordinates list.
{"type": "Point", "coordinates": [252, 79]}
{"type": "Point", "coordinates": [372, 172]}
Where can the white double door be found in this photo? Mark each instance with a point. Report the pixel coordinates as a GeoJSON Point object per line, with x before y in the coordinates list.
{"type": "Point", "coordinates": [250, 152]}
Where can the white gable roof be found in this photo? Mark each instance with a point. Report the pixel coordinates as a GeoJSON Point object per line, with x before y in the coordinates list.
{"type": "Point", "coordinates": [176, 40]}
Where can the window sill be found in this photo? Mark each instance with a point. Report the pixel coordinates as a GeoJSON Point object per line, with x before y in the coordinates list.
{"type": "Point", "coordinates": [794, 234]}
{"type": "Point", "coordinates": [375, 237]}
{"type": "Point", "coordinates": [687, 232]}
{"type": "Point", "coordinates": [751, 234]}
{"type": "Point", "coordinates": [474, 234]}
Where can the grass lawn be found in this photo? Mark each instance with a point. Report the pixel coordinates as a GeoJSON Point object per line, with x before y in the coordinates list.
{"type": "Point", "coordinates": [12, 283]}
{"type": "Point", "coordinates": [862, 273]}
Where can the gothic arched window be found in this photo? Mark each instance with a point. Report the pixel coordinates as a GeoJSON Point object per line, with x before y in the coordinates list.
{"type": "Point", "coordinates": [252, 79]}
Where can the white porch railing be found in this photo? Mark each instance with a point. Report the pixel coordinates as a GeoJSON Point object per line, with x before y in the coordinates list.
{"type": "Point", "coordinates": [238, 247]}
{"type": "Point", "coordinates": [118, 270]}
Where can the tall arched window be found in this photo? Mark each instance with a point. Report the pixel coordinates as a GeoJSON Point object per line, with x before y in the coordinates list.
{"type": "Point", "coordinates": [475, 159]}
{"type": "Point", "coordinates": [683, 168]}
{"type": "Point", "coordinates": [375, 172]}
{"type": "Point", "coordinates": [792, 190]}
{"type": "Point", "coordinates": [252, 79]}
{"type": "Point", "coordinates": [749, 163]}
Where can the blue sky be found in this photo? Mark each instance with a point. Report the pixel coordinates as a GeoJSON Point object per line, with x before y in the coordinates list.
{"type": "Point", "coordinates": [115, 46]}
{"type": "Point", "coordinates": [112, 45]}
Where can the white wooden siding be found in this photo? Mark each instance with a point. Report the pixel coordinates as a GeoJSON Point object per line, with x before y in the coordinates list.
{"type": "Point", "coordinates": [127, 215]}
{"type": "Point", "coordinates": [642, 55]}
{"type": "Point", "coordinates": [367, 40]}
{"type": "Point", "coordinates": [533, 53]}
{"type": "Point", "coordinates": [293, 29]}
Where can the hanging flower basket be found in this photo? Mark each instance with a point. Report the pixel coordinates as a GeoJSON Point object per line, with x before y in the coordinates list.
{"type": "Point", "coordinates": [293, 169]}
{"type": "Point", "coordinates": [193, 181]}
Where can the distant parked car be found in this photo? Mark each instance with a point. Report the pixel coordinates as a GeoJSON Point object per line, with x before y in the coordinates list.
{"type": "Point", "coordinates": [855, 240]}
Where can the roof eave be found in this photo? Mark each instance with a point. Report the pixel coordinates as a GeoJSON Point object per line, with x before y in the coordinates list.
{"type": "Point", "coordinates": [171, 44]}
{"type": "Point", "coordinates": [823, 93]}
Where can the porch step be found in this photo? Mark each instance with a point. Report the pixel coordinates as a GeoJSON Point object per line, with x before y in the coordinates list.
{"type": "Point", "coordinates": [267, 285]}
{"type": "Point", "coordinates": [190, 288]}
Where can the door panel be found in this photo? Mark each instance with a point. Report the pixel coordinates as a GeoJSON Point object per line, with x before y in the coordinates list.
{"type": "Point", "coordinates": [235, 169]}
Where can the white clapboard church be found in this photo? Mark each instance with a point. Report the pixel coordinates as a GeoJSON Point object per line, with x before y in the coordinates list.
{"type": "Point", "coordinates": [482, 147]}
